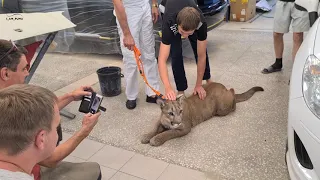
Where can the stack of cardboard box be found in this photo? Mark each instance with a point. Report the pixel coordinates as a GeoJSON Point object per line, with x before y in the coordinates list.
{"type": "Point", "coordinates": [242, 10]}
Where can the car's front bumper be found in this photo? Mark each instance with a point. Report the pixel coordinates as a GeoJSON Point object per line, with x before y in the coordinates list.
{"type": "Point", "coordinates": [216, 17]}
{"type": "Point", "coordinates": [296, 171]}
{"type": "Point", "coordinates": [214, 8]}
{"type": "Point", "coordinates": [300, 121]}
{"type": "Point", "coordinates": [292, 168]}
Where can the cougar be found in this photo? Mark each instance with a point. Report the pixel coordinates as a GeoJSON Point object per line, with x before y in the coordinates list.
{"type": "Point", "coordinates": [179, 116]}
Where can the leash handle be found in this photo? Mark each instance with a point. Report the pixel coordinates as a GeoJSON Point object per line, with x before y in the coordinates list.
{"type": "Point", "coordinates": [137, 55]}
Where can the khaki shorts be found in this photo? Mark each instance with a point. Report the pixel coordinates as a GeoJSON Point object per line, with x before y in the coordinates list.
{"type": "Point", "coordinates": [286, 14]}
{"type": "Point", "coordinates": [72, 171]}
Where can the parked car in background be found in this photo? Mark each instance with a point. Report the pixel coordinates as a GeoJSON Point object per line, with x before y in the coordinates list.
{"type": "Point", "coordinates": [302, 152]}
{"type": "Point", "coordinates": [96, 30]}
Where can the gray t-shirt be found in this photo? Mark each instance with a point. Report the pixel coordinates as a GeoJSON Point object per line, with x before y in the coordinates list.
{"type": "Point", "coordinates": [9, 175]}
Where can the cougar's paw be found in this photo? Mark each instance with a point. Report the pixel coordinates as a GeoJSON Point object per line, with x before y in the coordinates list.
{"type": "Point", "coordinates": [156, 141]}
{"type": "Point", "coordinates": [145, 139]}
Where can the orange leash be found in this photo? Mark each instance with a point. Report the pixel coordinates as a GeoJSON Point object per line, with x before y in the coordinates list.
{"type": "Point", "coordinates": [137, 55]}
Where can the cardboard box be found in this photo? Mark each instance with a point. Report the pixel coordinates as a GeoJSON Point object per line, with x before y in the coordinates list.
{"type": "Point", "coordinates": [242, 10]}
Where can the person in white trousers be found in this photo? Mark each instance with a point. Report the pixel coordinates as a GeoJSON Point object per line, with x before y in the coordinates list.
{"type": "Point", "coordinates": [135, 20]}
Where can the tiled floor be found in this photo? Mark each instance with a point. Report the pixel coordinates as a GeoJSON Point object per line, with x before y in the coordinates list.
{"type": "Point", "coordinates": [119, 164]}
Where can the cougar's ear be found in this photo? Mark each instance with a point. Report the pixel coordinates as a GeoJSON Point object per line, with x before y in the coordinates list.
{"type": "Point", "coordinates": [180, 98]}
{"type": "Point", "coordinates": [161, 102]}
{"type": "Point", "coordinates": [232, 91]}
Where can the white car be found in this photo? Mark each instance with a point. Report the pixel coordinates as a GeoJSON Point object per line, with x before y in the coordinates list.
{"type": "Point", "coordinates": [303, 148]}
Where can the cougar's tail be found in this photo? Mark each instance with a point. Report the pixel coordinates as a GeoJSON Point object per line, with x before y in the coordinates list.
{"type": "Point", "coordinates": [247, 95]}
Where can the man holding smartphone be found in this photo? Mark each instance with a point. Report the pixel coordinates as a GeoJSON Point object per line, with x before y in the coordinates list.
{"type": "Point", "coordinates": [13, 70]}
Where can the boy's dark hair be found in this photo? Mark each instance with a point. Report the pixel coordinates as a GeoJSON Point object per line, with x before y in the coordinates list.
{"type": "Point", "coordinates": [11, 60]}
{"type": "Point", "coordinates": [188, 18]}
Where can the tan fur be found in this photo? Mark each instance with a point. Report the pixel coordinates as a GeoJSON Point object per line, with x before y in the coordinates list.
{"type": "Point", "coordinates": [178, 117]}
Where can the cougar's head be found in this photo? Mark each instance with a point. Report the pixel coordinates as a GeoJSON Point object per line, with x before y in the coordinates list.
{"type": "Point", "coordinates": [171, 117]}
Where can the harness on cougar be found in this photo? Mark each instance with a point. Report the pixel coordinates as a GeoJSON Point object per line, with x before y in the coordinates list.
{"type": "Point", "coordinates": [137, 55]}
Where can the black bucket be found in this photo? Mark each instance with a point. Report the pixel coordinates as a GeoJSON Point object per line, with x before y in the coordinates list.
{"type": "Point", "coordinates": [110, 80]}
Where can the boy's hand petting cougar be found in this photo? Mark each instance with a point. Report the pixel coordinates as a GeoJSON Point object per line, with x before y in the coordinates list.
{"type": "Point", "coordinates": [200, 91]}
{"type": "Point", "coordinates": [170, 94]}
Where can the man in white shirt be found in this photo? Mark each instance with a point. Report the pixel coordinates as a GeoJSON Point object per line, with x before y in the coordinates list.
{"type": "Point", "coordinates": [134, 21]}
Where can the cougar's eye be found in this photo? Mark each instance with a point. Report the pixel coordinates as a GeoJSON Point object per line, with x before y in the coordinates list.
{"type": "Point", "coordinates": [170, 113]}
{"type": "Point", "coordinates": [181, 111]}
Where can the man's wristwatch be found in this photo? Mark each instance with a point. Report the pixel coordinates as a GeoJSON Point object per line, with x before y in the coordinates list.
{"type": "Point", "coordinates": [155, 5]}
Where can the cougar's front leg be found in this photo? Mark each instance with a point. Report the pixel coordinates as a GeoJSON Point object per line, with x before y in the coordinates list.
{"type": "Point", "coordinates": [157, 128]}
{"type": "Point", "coordinates": [167, 135]}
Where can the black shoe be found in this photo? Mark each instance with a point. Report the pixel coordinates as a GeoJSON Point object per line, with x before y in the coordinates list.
{"type": "Point", "coordinates": [271, 69]}
{"type": "Point", "coordinates": [151, 99]}
{"type": "Point", "coordinates": [131, 104]}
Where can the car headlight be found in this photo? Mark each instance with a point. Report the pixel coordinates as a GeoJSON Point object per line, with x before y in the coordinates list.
{"type": "Point", "coordinates": [311, 84]}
